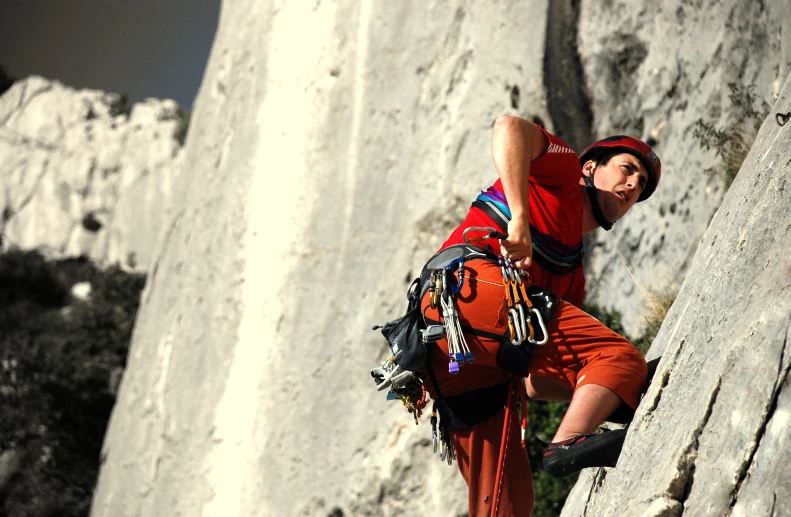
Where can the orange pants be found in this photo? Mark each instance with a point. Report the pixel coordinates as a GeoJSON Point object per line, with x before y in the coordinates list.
{"type": "Point", "coordinates": [581, 350]}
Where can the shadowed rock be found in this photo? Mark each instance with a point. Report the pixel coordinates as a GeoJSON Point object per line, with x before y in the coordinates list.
{"type": "Point", "coordinates": [319, 175]}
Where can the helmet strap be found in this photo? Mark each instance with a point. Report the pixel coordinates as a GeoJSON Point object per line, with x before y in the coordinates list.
{"type": "Point", "coordinates": [595, 208]}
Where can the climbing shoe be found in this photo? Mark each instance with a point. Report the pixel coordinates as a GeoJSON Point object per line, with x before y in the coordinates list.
{"type": "Point", "coordinates": [586, 450]}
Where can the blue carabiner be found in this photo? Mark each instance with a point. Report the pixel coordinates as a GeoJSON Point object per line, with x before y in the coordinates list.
{"type": "Point", "coordinates": [460, 262]}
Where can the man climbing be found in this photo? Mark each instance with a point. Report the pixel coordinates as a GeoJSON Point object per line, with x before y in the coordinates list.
{"type": "Point", "coordinates": [546, 199]}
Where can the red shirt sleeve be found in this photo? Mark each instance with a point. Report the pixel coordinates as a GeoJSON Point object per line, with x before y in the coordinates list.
{"type": "Point", "coordinates": [558, 166]}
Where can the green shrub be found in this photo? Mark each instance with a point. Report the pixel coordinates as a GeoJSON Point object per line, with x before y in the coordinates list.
{"type": "Point", "coordinates": [57, 359]}
{"type": "Point", "coordinates": [180, 133]}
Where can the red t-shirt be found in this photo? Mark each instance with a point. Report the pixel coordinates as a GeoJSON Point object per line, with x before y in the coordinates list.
{"type": "Point", "coordinates": [555, 209]}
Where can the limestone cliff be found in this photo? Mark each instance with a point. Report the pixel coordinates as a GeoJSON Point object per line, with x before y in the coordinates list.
{"type": "Point", "coordinates": [332, 147]}
{"type": "Point", "coordinates": [711, 436]}
{"type": "Point", "coordinates": [584, 69]}
{"type": "Point", "coordinates": [84, 173]}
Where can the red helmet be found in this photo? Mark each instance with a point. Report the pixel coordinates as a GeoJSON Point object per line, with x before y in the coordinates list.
{"type": "Point", "coordinates": [638, 149]}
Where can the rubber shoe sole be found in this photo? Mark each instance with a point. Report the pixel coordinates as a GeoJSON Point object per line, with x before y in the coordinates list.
{"type": "Point", "coordinates": [592, 450]}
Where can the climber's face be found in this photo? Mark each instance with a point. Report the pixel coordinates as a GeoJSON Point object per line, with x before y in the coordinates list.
{"type": "Point", "coordinates": [618, 182]}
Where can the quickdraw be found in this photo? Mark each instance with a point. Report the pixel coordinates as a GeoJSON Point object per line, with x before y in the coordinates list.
{"type": "Point", "coordinates": [458, 350]}
{"type": "Point", "coordinates": [520, 309]}
{"type": "Point", "coordinates": [443, 279]}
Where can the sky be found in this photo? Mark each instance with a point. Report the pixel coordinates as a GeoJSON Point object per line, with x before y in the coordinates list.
{"type": "Point", "coordinates": [141, 48]}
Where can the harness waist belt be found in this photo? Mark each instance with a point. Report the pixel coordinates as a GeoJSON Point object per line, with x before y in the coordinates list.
{"type": "Point", "coordinates": [554, 256]}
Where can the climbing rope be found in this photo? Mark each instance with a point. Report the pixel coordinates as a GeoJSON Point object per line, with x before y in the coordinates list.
{"type": "Point", "coordinates": [515, 383]}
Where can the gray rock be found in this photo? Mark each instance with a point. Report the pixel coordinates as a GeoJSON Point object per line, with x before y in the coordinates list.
{"type": "Point", "coordinates": [653, 69]}
{"type": "Point", "coordinates": [323, 172]}
{"type": "Point", "coordinates": [81, 291]}
{"type": "Point", "coordinates": [86, 176]}
{"type": "Point", "coordinates": [84, 173]}
{"type": "Point", "coordinates": [711, 435]}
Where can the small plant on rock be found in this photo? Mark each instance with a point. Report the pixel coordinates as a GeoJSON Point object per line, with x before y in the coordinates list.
{"type": "Point", "coordinates": [732, 142]}
{"type": "Point", "coordinates": [180, 133]}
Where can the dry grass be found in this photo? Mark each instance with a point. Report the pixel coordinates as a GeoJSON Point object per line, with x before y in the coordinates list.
{"type": "Point", "coordinates": [658, 306]}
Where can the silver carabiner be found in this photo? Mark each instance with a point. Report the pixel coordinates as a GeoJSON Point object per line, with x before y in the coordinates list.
{"type": "Point", "coordinates": [511, 271]}
{"type": "Point", "coordinates": [523, 320]}
{"type": "Point", "coordinates": [518, 328]}
{"type": "Point", "coordinates": [486, 229]}
{"type": "Point", "coordinates": [543, 328]}
{"type": "Point", "coordinates": [515, 272]}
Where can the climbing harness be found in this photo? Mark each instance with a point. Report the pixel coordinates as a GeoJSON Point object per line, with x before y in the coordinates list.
{"type": "Point", "coordinates": [520, 309]}
{"type": "Point", "coordinates": [406, 370]}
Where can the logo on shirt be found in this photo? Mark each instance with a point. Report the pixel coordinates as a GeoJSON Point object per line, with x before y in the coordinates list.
{"type": "Point", "coordinates": [556, 148]}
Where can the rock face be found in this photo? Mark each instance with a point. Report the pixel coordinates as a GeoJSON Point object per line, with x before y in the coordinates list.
{"type": "Point", "coordinates": [653, 70]}
{"type": "Point", "coordinates": [84, 173]}
{"type": "Point", "coordinates": [322, 173]}
{"type": "Point", "coordinates": [104, 189]}
{"type": "Point", "coordinates": [711, 436]}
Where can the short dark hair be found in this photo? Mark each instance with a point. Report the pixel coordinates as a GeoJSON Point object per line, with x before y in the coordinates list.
{"type": "Point", "coordinates": [601, 156]}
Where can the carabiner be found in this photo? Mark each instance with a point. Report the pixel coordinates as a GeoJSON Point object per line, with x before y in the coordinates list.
{"type": "Point", "coordinates": [530, 325]}
{"type": "Point", "coordinates": [513, 316]}
{"type": "Point", "coordinates": [503, 272]}
{"type": "Point", "coordinates": [449, 267]}
{"type": "Point", "coordinates": [513, 271]}
{"type": "Point", "coordinates": [511, 330]}
{"type": "Point", "coordinates": [524, 322]}
{"type": "Point", "coordinates": [490, 232]}
{"type": "Point", "coordinates": [435, 289]}
{"type": "Point", "coordinates": [543, 327]}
